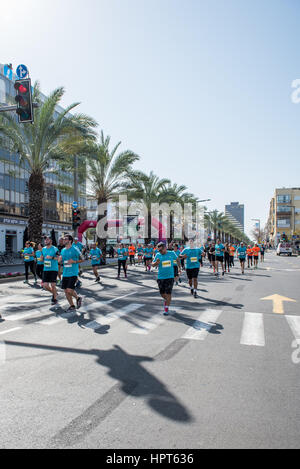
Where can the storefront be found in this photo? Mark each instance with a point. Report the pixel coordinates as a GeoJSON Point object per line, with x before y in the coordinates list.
{"type": "Point", "coordinates": [12, 233]}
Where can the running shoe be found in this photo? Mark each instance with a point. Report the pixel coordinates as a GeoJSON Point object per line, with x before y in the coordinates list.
{"type": "Point", "coordinates": [71, 309]}
{"type": "Point", "coordinates": [195, 295]}
{"type": "Point", "coordinates": [79, 302]}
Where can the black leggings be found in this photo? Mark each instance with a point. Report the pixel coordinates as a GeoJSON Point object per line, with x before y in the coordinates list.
{"type": "Point", "coordinates": [121, 264]}
{"type": "Point", "coordinates": [231, 261]}
{"type": "Point", "coordinates": [227, 261]}
{"type": "Point", "coordinates": [40, 270]}
{"type": "Point", "coordinates": [30, 265]}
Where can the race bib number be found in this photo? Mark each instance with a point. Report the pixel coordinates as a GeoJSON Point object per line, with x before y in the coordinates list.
{"type": "Point", "coordinates": [94, 258]}
{"type": "Point", "coordinates": [66, 265]}
{"type": "Point", "coordinates": [26, 258]}
{"type": "Point", "coordinates": [175, 262]}
{"type": "Point", "coordinates": [166, 264]}
{"type": "Point", "coordinates": [47, 263]}
{"type": "Point", "coordinates": [194, 259]}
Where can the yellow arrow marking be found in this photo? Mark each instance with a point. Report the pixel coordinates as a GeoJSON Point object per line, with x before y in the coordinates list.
{"type": "Point", "coordinates": [278, 302]}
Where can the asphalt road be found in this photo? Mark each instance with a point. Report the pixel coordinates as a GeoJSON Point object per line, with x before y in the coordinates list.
{"type": "Point", "coordinates": [218, 373]}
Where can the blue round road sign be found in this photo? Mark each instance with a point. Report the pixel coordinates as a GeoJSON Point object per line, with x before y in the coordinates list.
{"type": "Point", "coordinates": [22, 71]}
{"type": "Point", "coordinates": [75, 204]}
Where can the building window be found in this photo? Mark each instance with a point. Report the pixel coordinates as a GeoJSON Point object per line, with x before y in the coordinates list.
{"type": "Point", "coordinates": [283, 199]}
{"type": "Point", "coordinates": [284, 208]}
{"type": "Point", "coordinates": [284, 223]}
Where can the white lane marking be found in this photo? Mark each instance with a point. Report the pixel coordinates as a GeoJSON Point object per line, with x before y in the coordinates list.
{"type": "Point", "coordinates": [294, 323]}
{"type": "Point", "coordinates": [10, 330]}
{"type": "Point", "coordinates": [202, 327]}
{"type": "Point", "coordinates": [59, 318]}
{"type": "Point", "coordinates": [8, 306]}
{"type": "Point", "coordinates": [253, 330]}
{"type": "Point", "coordinates": [119, 298]}
{"type": "Point", "coordinates": [20, 316]}
{"type": "Point", "coordinates": [96, 304]}
{"type": "Point", "coordinates": [2, 353]}
{"type": "Point", "coordinates": [144, 326]}
{"type": "Point", "coordinates": [111, 317]}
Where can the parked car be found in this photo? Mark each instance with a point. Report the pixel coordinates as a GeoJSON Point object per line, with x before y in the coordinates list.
{"type": "Point", "coordinates": [284, 248]}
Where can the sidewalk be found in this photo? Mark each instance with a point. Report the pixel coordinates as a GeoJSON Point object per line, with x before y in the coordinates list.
{"type": "Point", "coordinates": [20, 268]}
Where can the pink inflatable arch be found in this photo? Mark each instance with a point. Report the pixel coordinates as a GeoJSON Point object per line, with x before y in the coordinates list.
{"type": "Point", "coordinates": [116, 223]}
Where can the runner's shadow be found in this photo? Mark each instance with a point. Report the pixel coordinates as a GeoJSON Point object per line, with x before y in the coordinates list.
{"type": "Point", "coordinates": [211, 327]}
{"type": "Point", "coordinates": [135, 380]}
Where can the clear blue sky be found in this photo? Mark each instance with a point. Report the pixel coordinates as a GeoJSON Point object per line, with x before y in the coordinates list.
{"type": "Point", "coordinates": [201, 89]}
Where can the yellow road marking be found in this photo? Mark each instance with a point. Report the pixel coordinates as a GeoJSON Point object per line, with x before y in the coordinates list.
{"type": "Point", "coordinates": [278, 302]}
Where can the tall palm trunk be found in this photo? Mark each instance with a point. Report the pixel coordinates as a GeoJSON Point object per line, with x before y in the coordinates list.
{"type": "Point", "coordinates": [102, 241]}
{"type": "Point", "coordinates": [149, 226]}
{"type": "Point", "coordinates": [36, 195]}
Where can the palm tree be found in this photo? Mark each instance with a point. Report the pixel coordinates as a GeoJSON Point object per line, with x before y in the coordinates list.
{"type": "Point", "coordinates": [172, 194]}
{"type": "Point", "coordinates": [107, 173]}
{"type": "Point", "coordinates": [147, 189]}
{"type": "Point", "coordinates": [39, 144]}
{"type": "Point", "coordinates": [215, 220]}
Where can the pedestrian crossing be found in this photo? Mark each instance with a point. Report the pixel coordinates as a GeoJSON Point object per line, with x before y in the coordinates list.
{"type": "Point", "coordinates": [143, 323]}
{"type": "Point", "coordinates": [253, 330]}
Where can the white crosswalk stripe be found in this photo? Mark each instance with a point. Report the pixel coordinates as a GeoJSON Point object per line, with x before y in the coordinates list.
{"type": "Point", "coordinates": [111, 317]}
{"type": "Point", "coordinates": [147, 325]}
{"type": "Point", "coordinates": [253, 330]}
{"type": "Point", "coordinates": [294, 323]}
{"type": "Point", "coordinates": [203, 325]}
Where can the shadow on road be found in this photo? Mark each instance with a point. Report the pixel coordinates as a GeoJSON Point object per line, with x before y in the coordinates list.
{"type": "Point", "coordinates": [125, 368]}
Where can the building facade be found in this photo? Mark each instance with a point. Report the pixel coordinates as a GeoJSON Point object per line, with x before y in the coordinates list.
{"type": "Point", "coordinates": [14, 189]}
{"type": "Point", "coordinates": [236, 214]}
{"type": "Point", "coordinates": [284, 216]}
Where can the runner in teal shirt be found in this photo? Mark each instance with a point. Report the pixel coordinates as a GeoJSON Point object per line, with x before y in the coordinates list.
{"type": "Point", "coordinates": [96, 254]}
{"type": "Point", "coordinates": [164, 260]}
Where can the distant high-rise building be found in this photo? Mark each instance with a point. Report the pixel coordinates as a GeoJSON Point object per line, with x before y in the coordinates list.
{"type": "Point", "coordinates": [236, 214]}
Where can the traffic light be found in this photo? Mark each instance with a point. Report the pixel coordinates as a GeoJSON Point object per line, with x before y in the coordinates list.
{"type": "Point", "coordinates": [76, 220]}
{"type": "Point", "coordinates": [24, 100]}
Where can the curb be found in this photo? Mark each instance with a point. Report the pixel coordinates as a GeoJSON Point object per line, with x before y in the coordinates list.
{"type": "Point", "coordinates": [22, 277]}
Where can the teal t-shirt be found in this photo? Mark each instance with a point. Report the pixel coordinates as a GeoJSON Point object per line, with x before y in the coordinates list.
{"type": "Point", "coordinates": [78, 246]}
{"type": "Point", "coordinates": [70, 270]}
{"type": "Point", "coordinates": [50, 265]}
{"type": "Point", "coordinates": [148, 252]}
{"type": "Point", "coordinates": [242, 252]}
{"type": "Point", "coordinates": [177, 254]}
{"type": "Point", "coordinates": [193, 256]}
{"type": "Point", "coordinates": [122, 254]}
{"type": "Point", "coordinates": [218, 248]}
{"type": "Point", "coordinates": [26, 253]}
{"type": "Point", "coordinates": [166, 265]}
{"type": "Point", "coordinates": [95, 256]}
{"type": "Point", "coordinates": [38, 256]}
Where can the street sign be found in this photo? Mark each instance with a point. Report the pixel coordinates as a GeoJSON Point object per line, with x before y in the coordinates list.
{"type": "Point", "coordinates": [8, 73]}
{"type": "Point", "coordinates": [75, 205]}
{"type": "Point", "coordinates": [22, 71]}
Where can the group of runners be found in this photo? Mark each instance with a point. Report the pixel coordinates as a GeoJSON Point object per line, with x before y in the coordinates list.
{"type": "Point", "coordinates": [61, 265]}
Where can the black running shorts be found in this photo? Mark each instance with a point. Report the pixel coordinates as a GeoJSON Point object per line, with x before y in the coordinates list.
{"type": "Point", "coordinates": [192, 273]}
{"type": "Point", "coordinates": [175, 270]}
{"type": "Point", "coordinates": [69, 283]}
{"type": "Point", "coordinates": [220, 258]}
{"type": "Point", "coordinates": [165, 286]}
{"type": "Point", "coordinates": [49, 276]}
